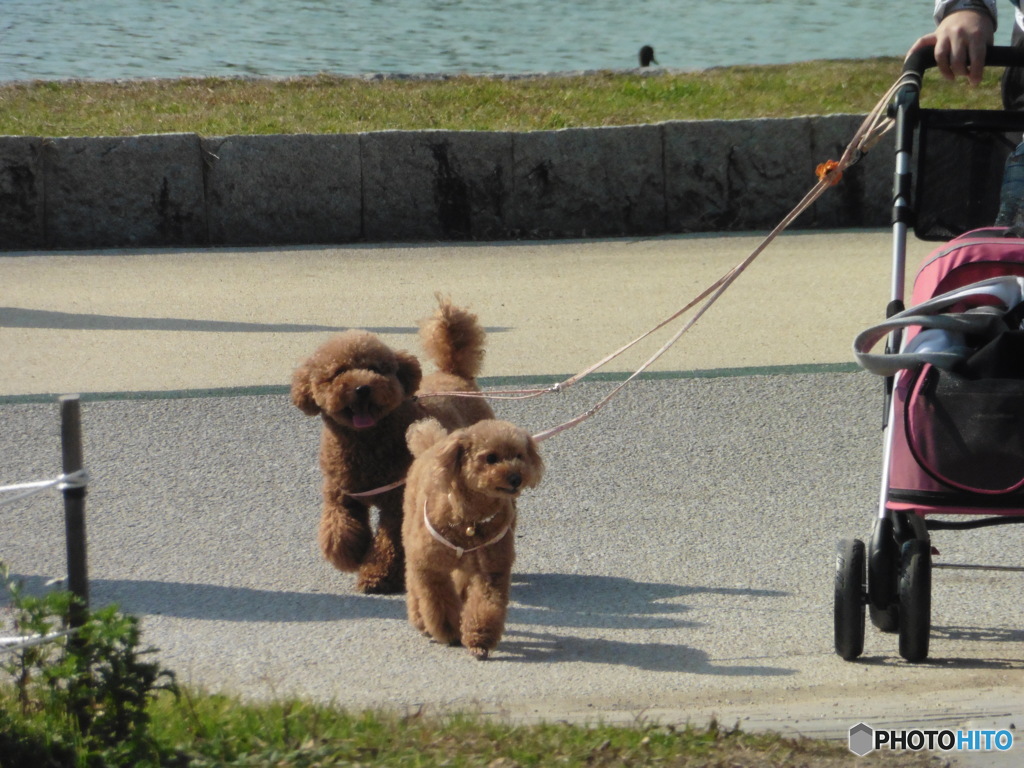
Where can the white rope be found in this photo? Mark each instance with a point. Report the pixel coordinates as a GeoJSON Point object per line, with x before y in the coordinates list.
{"type": "Point", "coordinates": [77, 479]}
{"type": "Point", "coordinates": [29, 641]}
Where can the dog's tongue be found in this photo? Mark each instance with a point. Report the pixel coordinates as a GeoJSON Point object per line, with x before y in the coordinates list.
{"type": "Point", "coordinates": [362, 420]}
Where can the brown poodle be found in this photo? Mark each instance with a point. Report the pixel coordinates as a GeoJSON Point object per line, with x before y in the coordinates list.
{"type": "Point", "coordinates": [364, 393]}
{"type": "Point", "coordinates": [460, 515]}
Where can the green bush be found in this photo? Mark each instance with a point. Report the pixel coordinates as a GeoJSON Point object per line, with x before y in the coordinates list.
{"type": "Point", "coordinates": [80, 699]}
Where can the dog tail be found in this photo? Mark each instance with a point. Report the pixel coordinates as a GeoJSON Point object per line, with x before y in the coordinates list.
{"type": "Point", "coordinates": [454, 340]}
{"type": "Point", "coordinates": [424, 433]}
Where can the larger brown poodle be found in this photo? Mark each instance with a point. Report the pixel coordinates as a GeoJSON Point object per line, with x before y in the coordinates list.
{"type": "Point", "coordinates": [365, 394]}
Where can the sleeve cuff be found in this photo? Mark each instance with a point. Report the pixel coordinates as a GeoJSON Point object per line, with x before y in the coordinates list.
{"type": "Point", "coordinates": [945, 7]}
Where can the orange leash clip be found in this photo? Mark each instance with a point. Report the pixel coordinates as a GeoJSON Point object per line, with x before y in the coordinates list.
{"type": "Point", "coordinates": [829, 171]}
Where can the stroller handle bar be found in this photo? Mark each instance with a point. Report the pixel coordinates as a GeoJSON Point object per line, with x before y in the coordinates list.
{"type": "Point", "coordinates": [905, 110]}
{"type": "Point", "coordinates": [995, 56]}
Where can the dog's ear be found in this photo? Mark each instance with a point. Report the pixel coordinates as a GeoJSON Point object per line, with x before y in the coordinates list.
{"type": "Point", "coordinates": [450, 457]}
{"type": "Point", "coordinates": [535, 462]}
{"type": "Point", "coordinates": [302, 391]}
{"type": "Point", "coordinates": [409, 372]}
{"type": "Point", "coordinates": [424, 433]}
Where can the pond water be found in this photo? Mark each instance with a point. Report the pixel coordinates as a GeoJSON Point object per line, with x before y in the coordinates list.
{"type": "Point", "coordinates": [106, 39]}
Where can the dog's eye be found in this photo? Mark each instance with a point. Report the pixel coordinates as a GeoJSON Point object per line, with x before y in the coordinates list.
{"type": "Point", "coordinates": [491, 458]}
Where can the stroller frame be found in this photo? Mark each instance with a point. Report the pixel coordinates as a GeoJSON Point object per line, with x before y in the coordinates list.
{"type": "Point", "coordinates": [891, 577]}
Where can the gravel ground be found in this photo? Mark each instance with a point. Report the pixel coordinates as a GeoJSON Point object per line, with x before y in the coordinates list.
{"type": "Point", "coordinates": [676, 562]}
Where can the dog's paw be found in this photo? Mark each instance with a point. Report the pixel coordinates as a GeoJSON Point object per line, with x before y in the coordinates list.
{"type": "Point", "coordinates": [373, 586]}
{"type": "Point", "coordinates": [480, 654]}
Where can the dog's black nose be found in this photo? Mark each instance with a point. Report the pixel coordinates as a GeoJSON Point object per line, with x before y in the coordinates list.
{"type": "Point", "coordinates": [363, 391]}
{"type": "Point", "coordinates": [515, 479]}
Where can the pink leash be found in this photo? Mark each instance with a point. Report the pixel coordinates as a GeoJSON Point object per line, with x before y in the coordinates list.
{"type": "Point", "coordinates": [871, 130]}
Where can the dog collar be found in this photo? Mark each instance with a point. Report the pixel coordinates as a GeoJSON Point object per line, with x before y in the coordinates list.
{"type": "Point", "coordinates": [459, 551]}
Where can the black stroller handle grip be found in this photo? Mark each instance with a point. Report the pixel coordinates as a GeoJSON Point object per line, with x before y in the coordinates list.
{"type": "Point", "coordinates": [995, 56]}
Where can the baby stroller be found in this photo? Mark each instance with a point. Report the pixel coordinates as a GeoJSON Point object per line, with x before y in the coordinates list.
{"type": "Point", "coordinates": [953, 365]}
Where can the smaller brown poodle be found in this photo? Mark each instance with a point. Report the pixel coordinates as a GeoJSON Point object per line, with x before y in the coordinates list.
{"type": "Point", "coordinates": [459, 525]}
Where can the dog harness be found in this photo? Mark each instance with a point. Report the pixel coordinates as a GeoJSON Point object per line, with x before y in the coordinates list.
{"type": "Point", "coordinates": [459, 551]}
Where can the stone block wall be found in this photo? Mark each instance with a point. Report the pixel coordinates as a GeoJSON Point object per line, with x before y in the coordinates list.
{"type": "Point", "coordinates": [181, 190]}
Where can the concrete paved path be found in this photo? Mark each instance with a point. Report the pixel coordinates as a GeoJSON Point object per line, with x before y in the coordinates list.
{"type": "Point", "coordinates": [676, 563]}
{"type": "Point", "coordinates": [171, 320]}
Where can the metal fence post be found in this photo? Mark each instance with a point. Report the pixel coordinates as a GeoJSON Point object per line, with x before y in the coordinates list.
{"type": "Point", "coordinates": [74, 505]}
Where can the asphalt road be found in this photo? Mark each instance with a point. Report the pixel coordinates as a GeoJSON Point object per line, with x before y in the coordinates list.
{"type": "Point", "coordinates": [675, 564]}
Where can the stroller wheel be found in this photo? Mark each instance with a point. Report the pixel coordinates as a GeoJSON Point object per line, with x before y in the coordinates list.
{"type": "Point", "coordinates": [915, 607]}
{"type": "Point", "coordinates": [849, 599]}
{"type": "Point", "coordinates": [887, 619]}
{"type": "Point", "coordinates": [883, 575]}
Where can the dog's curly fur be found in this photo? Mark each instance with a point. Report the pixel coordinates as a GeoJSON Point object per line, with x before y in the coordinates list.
{"type": "Point", "coordinates": [364, 393]}
{"type": "Point", "coordinates": [466, 483]}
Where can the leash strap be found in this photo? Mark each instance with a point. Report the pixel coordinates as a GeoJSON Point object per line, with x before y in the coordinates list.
{"type": "Point", "coordinates": [377, 491]}
{"type": "Point", "coordinates": [871, 130]}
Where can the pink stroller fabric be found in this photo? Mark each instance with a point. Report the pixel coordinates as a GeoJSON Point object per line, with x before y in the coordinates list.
{"type": "Point", "coordinates": [958, 442]}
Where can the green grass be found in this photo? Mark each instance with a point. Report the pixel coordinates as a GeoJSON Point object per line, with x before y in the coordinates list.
{"type": "Point", "coordinates": [215, 730]}
{"type": "Point", "coordinates": [329, 104]}
{"type": "Point", "coordinates": [202, 730]}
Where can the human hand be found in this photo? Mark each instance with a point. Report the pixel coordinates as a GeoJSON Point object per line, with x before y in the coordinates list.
{"type": "Point", "coordinates": [959, 43]}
